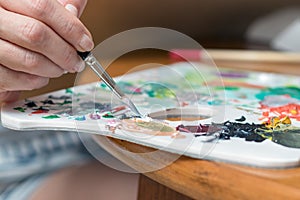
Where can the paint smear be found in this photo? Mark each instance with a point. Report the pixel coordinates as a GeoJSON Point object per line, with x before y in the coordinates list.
{"type": "Point", "coordinates": [40, 111]}
{"type": "Point", "coordinates": [20, 109]}
{"type": "Point", "coordinates": [232, 74]}
{"type": "Point", "coordinates": [94, 116]}
{"type": "Point", "coordinates": [226, 83]}
{"type": "Point", "coordinates": [31, 104]}
{"type": "Point", "coordinates": [51, 117]}
{"type": "Point", "coordinates": [149, 127]}
{"type": "Point", "coordinates": [108, 116]}
{"type": "Point", "coordinates": [290, 110]}
{"type": "Point", "coordinates": [277, 130]}
{"type": "Point", "coordinates": [292, 91]}
{"type": "Point", "coordinates": [69, 91]}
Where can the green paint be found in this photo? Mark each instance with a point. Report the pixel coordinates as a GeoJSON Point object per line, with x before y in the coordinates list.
{"type": "Point", "coordinates": [160, 90]}
{"type": "Point", "coordinates": [161, 93]}
{"type": "Point", "coordinates": [229, 88]}
{"type": "Point", "coordinates": [108, 115]}
{"type": "Point", "coordinates": [150, 93]}
{"type": "Point", "coordinates": [51, 117]}
{"type": "Point", "coordinates": [20, 109]}
{"type": "Point", "coordinates": [194, 78]}
{"type": "Point", "coordinates": [216, 102]}
{"type": "Point", "coordinates": [293, 91]}
{"type": "Point", "coordinates": [69, 91]}
{"type": "Point", "coordinates": [285, 134]}
{"type": "Point", "coordinates": [288, 138]}
{"type": "Point", "coordinates": [103, 85]}
{"type": "Point", "coordinates": [164, 93]}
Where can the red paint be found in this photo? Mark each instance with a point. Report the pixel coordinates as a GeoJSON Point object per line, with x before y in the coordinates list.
{"type": "Point", "coordinates": [119, 108]}
{"type": "Point", "coordinates": [230, 83]}
{"type": "Point", "coordinates": [265, 114]}
{"type": "Point", "coordinates": [291, 110]}
{"type": "Point", "coordinates": [40, 112]}
{"type": "Point", "coordinates": [184, 104]}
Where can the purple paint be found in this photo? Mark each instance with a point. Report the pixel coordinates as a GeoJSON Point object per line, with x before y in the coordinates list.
{"type": "Point", "coordinates": [94, 116]}
{"type": "Point", "coordinates": [232, 74]}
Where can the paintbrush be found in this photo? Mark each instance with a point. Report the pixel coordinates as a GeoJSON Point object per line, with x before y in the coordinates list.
{"type": "Point", "coordinates": [92, 62]}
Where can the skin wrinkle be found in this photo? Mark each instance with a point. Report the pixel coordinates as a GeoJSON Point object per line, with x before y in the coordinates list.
{"type": "Point", "coordinates": [41, 8]}
{"type": "Point", "coordinates": [20, 59]}
{"type": "Point", "coordinates": [34, 33]}
{"type": "Point", "coordinates": [59, 28]}
{"type": "Point", "coordinates": [10, 84]}
{"type": "Point", "coordinates": [27, 47]}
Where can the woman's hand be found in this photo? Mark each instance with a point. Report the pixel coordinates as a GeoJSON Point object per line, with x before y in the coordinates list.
{"type": "Point", "coordinates": [38, 41]}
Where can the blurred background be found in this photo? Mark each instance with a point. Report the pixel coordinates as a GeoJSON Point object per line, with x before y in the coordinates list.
{"type": "Point", "coordinates": [224, 24]}
{"type": "Point", "coordinates": [213, 23]}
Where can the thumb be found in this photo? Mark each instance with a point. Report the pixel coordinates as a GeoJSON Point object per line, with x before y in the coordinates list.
{"type": "Point", "coordinates": [76, 7]}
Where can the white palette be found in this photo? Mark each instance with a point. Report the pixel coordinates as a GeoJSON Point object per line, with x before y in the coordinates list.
{"type": "Point", "coordinates": [170, 93]}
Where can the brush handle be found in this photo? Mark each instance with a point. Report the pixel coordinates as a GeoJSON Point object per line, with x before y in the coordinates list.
{"type": "Point", "coordinates": [107, 79]}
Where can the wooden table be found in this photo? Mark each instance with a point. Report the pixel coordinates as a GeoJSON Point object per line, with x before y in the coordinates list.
{"type": "Point", "coordinates": [188, 178]}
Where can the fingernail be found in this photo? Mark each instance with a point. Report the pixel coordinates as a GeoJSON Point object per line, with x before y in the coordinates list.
{"type": "Point", "coordinates": [80, 66]}
{"type": "Point", "coordinates": [62, 2]}
{"type": "Point", "coordinates": [86, 44]}
{"type": "Point", "coordinates": [72, 9]}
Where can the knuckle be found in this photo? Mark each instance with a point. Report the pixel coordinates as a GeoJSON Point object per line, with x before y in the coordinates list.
{"type": "Point", "coordinates": [39, 7]}
{"type": "Point", "coordinates": [34, 32]}
{"type": "Point", "coordinates": [69, 27]}
{"type": "Point", "coordinates": [31, 60]}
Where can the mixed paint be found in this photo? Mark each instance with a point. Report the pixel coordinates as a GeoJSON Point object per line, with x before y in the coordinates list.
{"type": "Point", "coordinates": [273, 99]}
{"type": "Point", "coordinates": [277, 130]}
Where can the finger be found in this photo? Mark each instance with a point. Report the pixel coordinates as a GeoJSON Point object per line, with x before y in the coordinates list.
{"type": "Point", "coordinates": [36, 36]}
{"type": "Point", "coordinates": [17, 81]}
{"type": "Point", "coordinates": [72, 9]}
{"type": "Point", "coordinates": [78, 6]}
{"type": "Point", "coordinates": [54, 15]}
{"type": "Point", "coordinates": [9, 96]}
{"type": "Point", "coordinates": [23, 60]}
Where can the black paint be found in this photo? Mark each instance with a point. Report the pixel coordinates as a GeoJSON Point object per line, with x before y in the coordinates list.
{"type": "Point", "coordinates": [242, 119]}
{"type": "Point", "coordinates": [41, 108]}
{"type": "Point", "coordinates": [227, 130]}
{"type": "Point", "coordinates": [31, 104]}
{"type": "Point", "coordinates": [47, 101]}
{"type": "Point", "coordinates": [60, 97]}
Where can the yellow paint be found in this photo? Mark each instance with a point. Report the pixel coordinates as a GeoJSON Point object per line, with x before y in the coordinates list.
{"type": "Point", "coordinates": [276, 122]}
{"type": "Point", "coordinates": [286, 120]}
{"type": "Point", "coordinates": [294, 112]}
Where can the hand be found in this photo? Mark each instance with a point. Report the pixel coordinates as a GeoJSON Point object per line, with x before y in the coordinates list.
{"type": "Point", "coordinates": [38, 41]}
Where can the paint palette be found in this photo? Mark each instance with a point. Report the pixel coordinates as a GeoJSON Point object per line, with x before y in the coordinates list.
{"type": "Point", "coordinates": [232, 116]}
